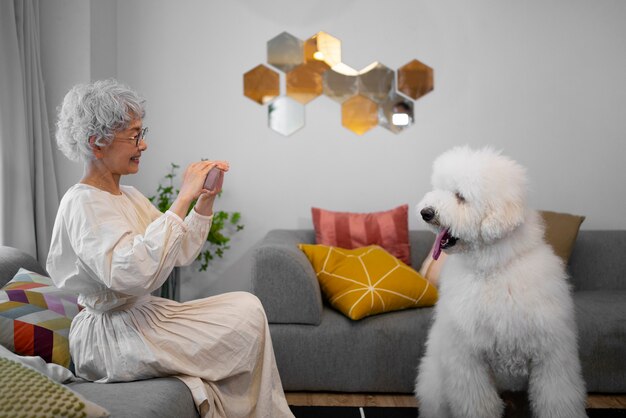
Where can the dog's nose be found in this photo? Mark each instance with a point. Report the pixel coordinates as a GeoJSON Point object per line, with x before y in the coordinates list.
{"type": "Point", "coordinates": [427, 214]}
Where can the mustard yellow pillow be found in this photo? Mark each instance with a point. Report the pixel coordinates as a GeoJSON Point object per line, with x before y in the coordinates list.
{"type": "Point", "coordinates": [368, 280]}
{"type": "Point", "coordinates": [561, 232]}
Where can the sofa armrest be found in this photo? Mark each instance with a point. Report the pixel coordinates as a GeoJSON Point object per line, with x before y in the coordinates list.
{"type": "Point", "coordinates": [11, 259]}
{"type": "Point", "coordinates": [284, 280]}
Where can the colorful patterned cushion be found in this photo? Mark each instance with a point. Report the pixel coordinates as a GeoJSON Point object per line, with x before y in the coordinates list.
{"type": "Point", "coordinates": [35, 317]}
{"type": "Point", "coordinates": [30, 394]}
{"type": "Point", "coordinates": [368, 280]}
{"type": "Point", "coordinates": [388, 229]}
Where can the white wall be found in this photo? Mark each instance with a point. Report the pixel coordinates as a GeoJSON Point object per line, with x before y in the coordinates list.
{"type": "Point", "coordinates": [541, 80]}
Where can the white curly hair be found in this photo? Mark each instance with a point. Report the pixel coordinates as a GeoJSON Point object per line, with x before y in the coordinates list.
{"type": "Point", "coordinates": [97, 109]}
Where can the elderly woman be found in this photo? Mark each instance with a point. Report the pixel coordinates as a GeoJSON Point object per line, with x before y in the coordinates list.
{"type": "Point", "coordinates": [113, 247]}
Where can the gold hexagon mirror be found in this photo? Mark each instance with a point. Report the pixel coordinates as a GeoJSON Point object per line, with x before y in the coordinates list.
{"type": "Point", "coordinates": [359, 114]}
{"type": "Point", "coordinates": [304, 83]}
{"type": "Point", "coordinates": [324, 49]}
{"type": "Point", "coordinates": [415, 79]}
{"type": "Point", "coordinates": [261, 84]}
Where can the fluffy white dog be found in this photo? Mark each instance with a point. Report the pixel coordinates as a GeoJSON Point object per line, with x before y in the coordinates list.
{"type": "Point", "coordinates": [505, 317]}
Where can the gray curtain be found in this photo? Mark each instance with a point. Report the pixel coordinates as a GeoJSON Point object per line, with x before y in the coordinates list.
{"type": "Point", "coordinates": [28, 187]}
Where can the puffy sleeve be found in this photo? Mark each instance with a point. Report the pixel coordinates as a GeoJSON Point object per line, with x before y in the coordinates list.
{"type": "Point", "coordinates": [196, 231]}
{"type": "Point", "coordinates": [127, 249]}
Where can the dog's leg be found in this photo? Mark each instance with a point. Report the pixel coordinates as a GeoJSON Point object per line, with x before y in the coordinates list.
{"type": "Point", "coordinates": [556, 389]}
{"type": "Point", "coordinates": [469, 388]}
{"type": "Point", "coordinates": [429, 389]}
{"type": "Point", "coordinates": [429, 385]}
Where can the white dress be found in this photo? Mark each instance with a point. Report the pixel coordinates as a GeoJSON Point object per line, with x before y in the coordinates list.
{"type": "Point", "coordinates": [113, 250]}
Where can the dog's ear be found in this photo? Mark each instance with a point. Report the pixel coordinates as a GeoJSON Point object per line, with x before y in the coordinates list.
{"type": "Point", "coordinates": [501, 220]}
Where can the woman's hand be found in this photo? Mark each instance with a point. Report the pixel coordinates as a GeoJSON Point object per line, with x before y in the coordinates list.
{"type": "Point", "coordinates": [192, 188]}
{"type": "Point", "coordinates": [204, 205]}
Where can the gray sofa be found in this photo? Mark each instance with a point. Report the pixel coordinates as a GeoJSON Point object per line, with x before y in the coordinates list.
{"type": "Point", "coordinates": [319, 349]}
{"type": "Point", "coordinates": [162, 397]}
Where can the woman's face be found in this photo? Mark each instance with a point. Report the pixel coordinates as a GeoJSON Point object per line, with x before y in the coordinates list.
{"type": "Point", "coordinates": [122, 155]}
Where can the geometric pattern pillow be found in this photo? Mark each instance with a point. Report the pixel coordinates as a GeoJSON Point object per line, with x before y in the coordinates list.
{"type": "Point", "coordinates": [26, 392]}
{"type": "Point", "coordinates": [35, 317]}
{"type": "Point", "coordinates": [388, 229]}
{"type": "Point", "coordinates": [367, 281]}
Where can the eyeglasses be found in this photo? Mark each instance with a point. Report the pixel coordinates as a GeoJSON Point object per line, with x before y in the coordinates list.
{"type": "Point", "coordinates": [141, 136]}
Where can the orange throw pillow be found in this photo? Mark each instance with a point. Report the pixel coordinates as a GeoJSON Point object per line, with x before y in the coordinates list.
{"type": "Point", "coordinates": [388, 229]}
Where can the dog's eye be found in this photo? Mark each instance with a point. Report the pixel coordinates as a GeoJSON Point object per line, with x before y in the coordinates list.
{"type": "Point", "coordinates": [459, 197]}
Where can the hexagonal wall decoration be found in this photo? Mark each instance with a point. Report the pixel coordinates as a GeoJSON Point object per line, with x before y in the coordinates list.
{"type": "Point", "coordinates": [395, 113]}
{"type": "Point", "coordinates": [369, 97]}
{"type": "Point", "coordinates": [285, 52]}
{"type": "Point", "coordinates": [285, 115]}
{"type": "Point", "coordinates": [261, 84]}
{"type": "Point", "coordinates": [340, 85]}
{"type": "Point", "coordinates": [323, 48]}
{"type": "Point", "coordinates": [415, 79]}
{"type": "Point", "coordinates": [304, 83]}
{"type": "Point", "coordinates": [376, 81]}
{"type": "Point", "coordinates": [359, 114]}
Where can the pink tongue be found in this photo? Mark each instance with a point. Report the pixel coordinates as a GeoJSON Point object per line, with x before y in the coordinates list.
{"type": "Point", "coordinates": [437, 244]}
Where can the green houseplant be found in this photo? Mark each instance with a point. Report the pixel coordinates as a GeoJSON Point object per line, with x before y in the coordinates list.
{"type": "Point", "coordinates": [223, 226]}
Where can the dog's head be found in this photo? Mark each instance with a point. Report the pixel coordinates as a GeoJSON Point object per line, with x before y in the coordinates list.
{"type": "Point", "coordinates": [478, 197]}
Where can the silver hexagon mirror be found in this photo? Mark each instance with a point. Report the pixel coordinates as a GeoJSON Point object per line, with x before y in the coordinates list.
{"type": "Point", "coordinates": [285, 115]}
{"type": "Point", "coordinates": [340, 83]}
{"type": "Point", "coordinates": [395, 113]}
{"type": "Point", "coordinates": [285, 52]}
{"type": "Point", "coordinates": [376, 81]}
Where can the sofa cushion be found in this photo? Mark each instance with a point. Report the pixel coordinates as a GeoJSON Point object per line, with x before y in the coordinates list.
{"type": "Point", "coordinates": [388, 229]}
{"type": "Point", "coordinates": [26, 392]}
{"type": "Point", "coordinates": [368, 280]}
{"type": "Point", "coordinates": [35, 317]}
{"type": "Point", "coordinates": [600, 316]}
{"type": "Point", "coordinates": [561, 232]}
{"type": "Point", "coordinates": [379, 353]}
{"type": "Point", "coordinates": [158, 397]}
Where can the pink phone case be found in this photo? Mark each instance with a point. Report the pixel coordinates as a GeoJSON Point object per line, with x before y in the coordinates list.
{"type": "Point", "coordinates": [214, 180]}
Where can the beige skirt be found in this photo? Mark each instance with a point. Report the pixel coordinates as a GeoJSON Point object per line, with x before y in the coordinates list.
{"type": "Point", "coordinates": [220, 347]}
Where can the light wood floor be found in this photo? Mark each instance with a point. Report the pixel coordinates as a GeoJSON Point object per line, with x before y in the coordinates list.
{"type": "Point", "coordinates": [594, 400]}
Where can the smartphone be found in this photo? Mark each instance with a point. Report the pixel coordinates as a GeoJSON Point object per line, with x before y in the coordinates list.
{"type": "Point", "coordinates": [214, 180]}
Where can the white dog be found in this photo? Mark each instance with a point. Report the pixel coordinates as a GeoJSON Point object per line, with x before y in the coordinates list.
{"type": "Point", "coordinates": [505, 317]}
